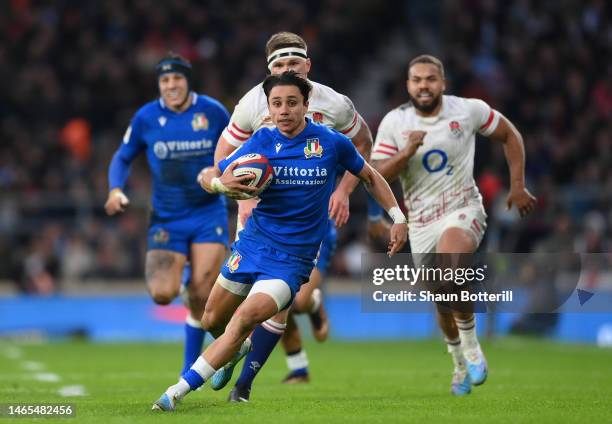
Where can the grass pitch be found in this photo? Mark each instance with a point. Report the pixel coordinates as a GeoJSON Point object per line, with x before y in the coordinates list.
{"type": "Point", "coordinates": [387, 382]}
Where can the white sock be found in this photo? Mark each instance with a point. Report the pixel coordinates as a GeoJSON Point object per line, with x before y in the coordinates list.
{"type": "Point", "coordinates": [454, 348]}
{"type": "Point", "coordinates": [179, 390]}
{"type": "Point", "coordinates": [316, 300]}
{"type": "Point", "coordinates": [192, 322]}
{"type": "Point", "coordinates": [297, 360]}
{"type": "Point", "coordinates": [467, 332]}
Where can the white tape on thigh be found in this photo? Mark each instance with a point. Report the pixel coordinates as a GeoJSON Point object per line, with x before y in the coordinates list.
{"type": "Point", "coordinates": [277, 289]}
{"type": "Point", "coordinates": [233, 287]}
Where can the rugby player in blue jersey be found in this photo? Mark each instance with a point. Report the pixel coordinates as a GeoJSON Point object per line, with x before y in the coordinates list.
{"type": "Point", "coordinates": [288, 51]}
{"type": "Point", "coordinates": [277, 249]}
{"type": "Point", "coordinates": [178, 132]}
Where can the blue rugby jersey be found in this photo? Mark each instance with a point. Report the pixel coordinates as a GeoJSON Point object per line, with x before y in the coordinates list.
{"type": "Point", "coordinates": [178, 146]}
{"type": "Point", "coordinates": [292, 214]}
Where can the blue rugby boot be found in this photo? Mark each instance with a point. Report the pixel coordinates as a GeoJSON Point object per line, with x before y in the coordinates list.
{"type": "Point", "coordinates": [476, 365]}
{"type": "Point", "coordinates": [460, 384]}
{"type": "Point", "coordinates": [165, 403]}
{"type": "Point", "coordinates": [224, 374]}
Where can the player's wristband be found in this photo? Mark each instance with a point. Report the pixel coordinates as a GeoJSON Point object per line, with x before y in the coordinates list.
{"type": "Point", "coordinates": [218, 186]}
{"type": "Point", "coordinates": [397, 215]}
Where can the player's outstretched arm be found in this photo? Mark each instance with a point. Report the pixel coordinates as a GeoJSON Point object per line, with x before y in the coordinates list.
{"type": "Point", "coordinates": [519, 196]}
{"type": "Point", "coordinates": [339, 201]}
{"type": "Point", "coordinates": [380, 190]}
{"type": "Point", "coordinates": [391, 168]}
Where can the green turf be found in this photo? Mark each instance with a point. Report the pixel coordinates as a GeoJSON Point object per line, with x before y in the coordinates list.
{"type": "Point", "coordinates": [387, 382]}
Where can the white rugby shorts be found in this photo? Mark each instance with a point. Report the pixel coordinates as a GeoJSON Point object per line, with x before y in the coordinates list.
{"type": "Point", "coordinates": [472, 219]}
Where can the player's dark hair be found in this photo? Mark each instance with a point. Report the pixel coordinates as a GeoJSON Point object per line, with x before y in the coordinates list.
{"type": "Point", "coordinates": [428, 59]}
{"type": "Point", "coordinates": [174, 62]}
{"type": "Point", "coordinates": [287, 78]}
{"type": "Point", "coordinates": [283, 39]}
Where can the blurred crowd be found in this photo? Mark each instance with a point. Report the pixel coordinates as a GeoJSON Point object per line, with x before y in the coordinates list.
{"type": "Point", "coordinates": [73, 73]}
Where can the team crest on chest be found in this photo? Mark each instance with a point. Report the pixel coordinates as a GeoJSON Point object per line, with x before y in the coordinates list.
{"type": "Point", "coordinates": [234, 261]}
{"type": "Point", "coordinates": [317, 117]}
{"type": "Point", "coordinates": [313, 148]}
{"type": "Point", "coordinates": [199, 122]}
{"type": "Point", "coordinates": [455, 128]}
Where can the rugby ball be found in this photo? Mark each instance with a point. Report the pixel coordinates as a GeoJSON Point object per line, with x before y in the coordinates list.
{"type": "Point", "coordinates": [258, 166]}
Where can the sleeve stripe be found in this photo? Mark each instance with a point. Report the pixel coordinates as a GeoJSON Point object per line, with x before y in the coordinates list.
{"type": "Point", "coordinates": [236, 136]}
{"type": "Point", "coordinates": [384, 152]}
{"type": "Point", "coordinates": [240, 130]}
{"type": "Point", "coordinates": [489, 120]}
{"type": "Point", "coordinates": [388, 146]}
{"type": "Point", "coordinates": [351, 127]}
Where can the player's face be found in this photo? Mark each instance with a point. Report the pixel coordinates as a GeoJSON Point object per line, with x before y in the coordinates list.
{"type": "Point", "coordinates": [287, 109]}
{"type": "Point", "coordinates": [425, 87]}
{"type": "Point", "coordinates": [296, 64]}
{"type": "Point", "coordinates": [174, 90]}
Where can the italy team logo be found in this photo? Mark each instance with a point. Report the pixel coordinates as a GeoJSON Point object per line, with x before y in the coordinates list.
{"type": "Point", "coordinates": [234, 261]}
{"type": "Point", "coordinates": [161, 236]}
{"type": "Point", "coordinates": [199, 122]}
{"type": "Point", "coordinates": [313, 148]}
{"type": "Point", "coordinates": [455, 128]}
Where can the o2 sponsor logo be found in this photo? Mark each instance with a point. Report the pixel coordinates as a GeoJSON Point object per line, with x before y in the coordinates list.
{"type": "Point", "coordinates": [436, 160]}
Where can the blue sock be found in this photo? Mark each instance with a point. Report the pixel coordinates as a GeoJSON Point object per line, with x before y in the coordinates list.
{"type": "Point", "coordinates": [194, 338]}
{"type": "Point", "coordinates": [264, 338]}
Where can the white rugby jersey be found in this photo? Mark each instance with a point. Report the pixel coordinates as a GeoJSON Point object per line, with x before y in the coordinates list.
{"type": "Point", "coordinates": [325, 106]}
{"type": "Point", "coordinates": [438, 179]}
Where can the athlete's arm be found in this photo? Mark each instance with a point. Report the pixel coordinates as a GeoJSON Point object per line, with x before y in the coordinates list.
{"type": "Point", "coordinates": [118, 172]}
{"type": "Point", "coordinates": [119, 168]}
{"type": "Point", "coordinates": [507, 134]}
{"type": "Point", "coordinates": [339, 201]}
{"type": "Point", "coordinates": [380, 190]}
{"type": "Point", "coordinates": [391, 168]}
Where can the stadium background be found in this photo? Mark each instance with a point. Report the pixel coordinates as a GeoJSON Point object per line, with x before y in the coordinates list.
{"type": "Point", "coordinates": [73, 73]}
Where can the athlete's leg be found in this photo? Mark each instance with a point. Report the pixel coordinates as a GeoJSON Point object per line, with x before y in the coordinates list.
{"type": "Point", "coordinates": [221, 304]}
{"type": "Point", "coordinates": [462, 341]}
{"type": "Point", "coordinates": [295, 354]}
{"type": "Point", "coordinates": [206, 260]}
{"type": "Point", "coordinates": [163, 270]}
{"type": "Point", "coordinates": [264, 339]}
{"type": "Point", "coordinates": [265, 300]}
{"type": "Point", "coordinates": [225, 302]}
{"type": "Point", "coordinates": [308, 300]}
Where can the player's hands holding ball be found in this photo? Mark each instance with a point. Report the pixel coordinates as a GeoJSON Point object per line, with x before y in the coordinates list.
{"type": "Point", "coordinates": [227, 183]}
